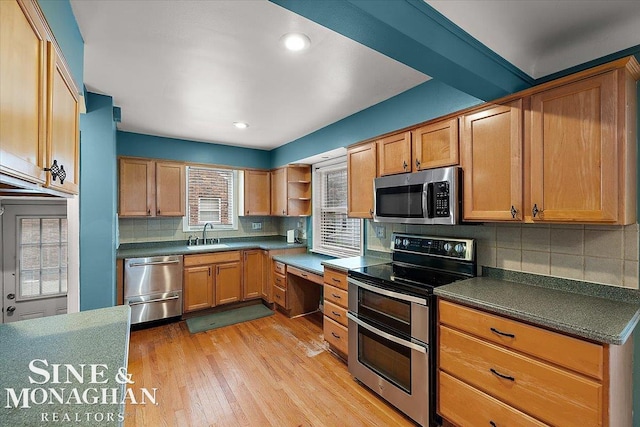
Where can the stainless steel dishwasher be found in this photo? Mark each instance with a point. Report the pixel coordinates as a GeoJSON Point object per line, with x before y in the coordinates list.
{"type": "Point", "coordinates": [153, 287]}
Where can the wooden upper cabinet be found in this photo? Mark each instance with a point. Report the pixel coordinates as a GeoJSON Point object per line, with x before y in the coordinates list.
{"type": "Point", "coordinates": [137, 187]}
{"type": "Point", "coordinates": [582, 151]}
{"type": "Point", "coordinates": [279, 192]}
{"type": "Point", "coordinates": [435, 145]}
{"type": "Point", "coordinates": [491, 158]}
{"type": "Point", "coordinates": [63, 121]}
{"type": "Point", "coordinates": [22, 92]}
{"type": "Point", "coordinates": [394, 154]}
{"type": "Point", "coordinates": [361, 171]}
{"type": "Point", "coordinates": [170, 189]}
{"type": "Point", "coordinates": [257, 192]}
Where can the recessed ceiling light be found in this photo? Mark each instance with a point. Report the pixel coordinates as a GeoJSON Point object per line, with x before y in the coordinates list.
{"type": "Point", "coordinates": [241, 125]}
{"type": "Point", "coordinates": [295, 42]}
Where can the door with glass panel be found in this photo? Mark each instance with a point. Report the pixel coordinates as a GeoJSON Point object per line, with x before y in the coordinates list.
{"type": "Point", "coordinates": [35, 261]}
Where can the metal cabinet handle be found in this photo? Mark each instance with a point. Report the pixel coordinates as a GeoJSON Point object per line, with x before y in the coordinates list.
{"type": "Point", "coordinates": [336, 280]}
{"type": "Point", "coordinates": [335, 335]}
{"type": "Point", "coordinates": [154, 300]}
{"type": "Point", "coordinates": [404, 165]}
{"type": "Point", "coordinates": [506, 377]}
{"type": "Point", "coordinates": [371, 212]}
{"type": "Point", "coordinates": [422, 348]}
{"type": "Point", "coordinates": [336, 314]}
{"type": "Point", "coordinates": [535, 210]}
{"type": "Point", "coordinates": [148, 211]}
{"type": "Point", "coordinates": [143, 264]}
{"type": "Point", "coordinates": [336, 296]}
{"type": "Point", "coordinates": [283, 212]}
{"type": "Point", "coordinates": [11, 309]}
{"type": "Point", "coordinates": [504, 334]}
{"type": "Point", "coordinates": [158, 211]}
{"type": "Point", "coordinates": [492, 424]}
{"type": "Point", "coordinates": [304, 275]}
{"type": "Point", "coordinates": [417, 164]}
{"type": "Point", "coordinates": [514, 211]}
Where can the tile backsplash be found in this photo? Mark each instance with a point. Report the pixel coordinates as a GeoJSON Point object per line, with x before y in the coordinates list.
{"type": "Point", "coordinates": [164, 229]}
{"type": "Point", "coordinates": [599, 254]}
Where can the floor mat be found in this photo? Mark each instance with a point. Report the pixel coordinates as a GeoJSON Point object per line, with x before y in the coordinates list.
{"type": "Point", "coordinates": [226, 318]}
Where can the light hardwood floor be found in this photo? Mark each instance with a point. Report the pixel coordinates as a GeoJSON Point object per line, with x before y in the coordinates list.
{"type": "Point", "coordinates": [273, 371]}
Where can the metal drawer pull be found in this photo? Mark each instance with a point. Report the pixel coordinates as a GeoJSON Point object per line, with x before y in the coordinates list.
{"type": "Point", "coordinates": [336, 296]}
{"type": "Point", "coordinates": [422, 348]}
{"type": "Point", "coordinates": [504, 334]}
{"type": "Point", "coordinates": [336, 280]}
{"type": "Point", "coordinates": [304, 275]}
{"type": "Point", "coordinates": [154, 300]}
{"type": "Point", "coordinates": [142, 264]}
{"type": "Point", "coordinates": [492, 424]}
{"type": "Point", "coordinates": [335, 335]}
{"type": "Point", "coordinates": [506, 377]}
{"type": "Point", "coordinates": [336, 314]}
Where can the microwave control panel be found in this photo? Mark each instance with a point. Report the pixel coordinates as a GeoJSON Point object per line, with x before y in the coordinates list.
{"type": "Point", "coordinates": [441, 199]}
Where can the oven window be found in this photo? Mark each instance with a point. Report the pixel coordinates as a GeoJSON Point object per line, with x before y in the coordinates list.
{"type": "Point", "coordinates": [400, 202]}
{"type": "Point", "coordinates": [391, 312]}
{"type": "Point", "coordinates": [388, 359]}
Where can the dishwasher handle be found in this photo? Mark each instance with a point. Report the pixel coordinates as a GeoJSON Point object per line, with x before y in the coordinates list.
{"type": "Point", "coordinates": [142, 264]}
{"type": "Point", "coordinates": [154, 300]}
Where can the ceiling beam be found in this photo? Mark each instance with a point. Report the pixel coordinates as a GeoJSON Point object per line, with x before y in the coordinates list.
{"type": "Point", "coordinates": [412, 32]}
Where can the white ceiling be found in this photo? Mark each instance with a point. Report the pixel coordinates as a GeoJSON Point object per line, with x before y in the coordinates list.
{"type": "Point", "coordinates": [545, 36]}
{"type": "Point", "coordinates": [189, 69]}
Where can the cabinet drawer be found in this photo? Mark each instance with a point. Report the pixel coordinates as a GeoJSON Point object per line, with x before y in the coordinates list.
{"type": "Point", "coordinates": [304, 274]}
{"type": "Point", "coordinates": [581, 356]}
{"type": "Point", "coordinates": [335, 278]}
{"type": "Point", "coordinates": [279, 280]}
{"type": "Point", "coordinates": [466, 406]}
{"type": "Point", "coordinates": [211, 258]}
{"type": "Point", "coordinates": [279, 267]}
{"type": "Point", "coordinates": [336, 335]}
{"type": "Point", "coordinates": [280, 296]}
{"type": "Point", "coordinates": [550, 394]}
{"type": "Point", "coordinates": [336, 296]}
{"type": "Point", "coordinates": [336, 313]}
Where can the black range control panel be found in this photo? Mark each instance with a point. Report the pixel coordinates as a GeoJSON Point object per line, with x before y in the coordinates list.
{"type": "Point", "coordinates": [444, 247]}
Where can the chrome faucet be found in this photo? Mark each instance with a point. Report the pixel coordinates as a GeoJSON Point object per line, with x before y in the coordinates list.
{"type": "Point", "coordinates": [204, 234]}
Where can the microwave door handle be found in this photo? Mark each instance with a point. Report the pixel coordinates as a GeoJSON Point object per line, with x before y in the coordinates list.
{"type": "Point", "coordinates": [399, 341]}
{"type": "Point", "coordinates": [430, 200]}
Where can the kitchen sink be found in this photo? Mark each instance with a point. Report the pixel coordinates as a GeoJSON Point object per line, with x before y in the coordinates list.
{"type": "Point", "coordinates": [208, 247]}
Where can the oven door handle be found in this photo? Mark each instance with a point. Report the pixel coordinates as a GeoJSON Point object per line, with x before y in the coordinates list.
{"type": "Point", "coordinates": [388, 293]}
{"type": "Point", "coordinates": [399, 341]}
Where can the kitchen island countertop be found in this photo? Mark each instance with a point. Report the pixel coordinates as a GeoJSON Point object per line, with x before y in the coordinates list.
{"type": "Point", "coordinates": [79, 340]}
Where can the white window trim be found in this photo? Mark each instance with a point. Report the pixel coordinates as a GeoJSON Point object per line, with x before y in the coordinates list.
{"type": "Point", "coordinates": [327, 166]}
{"type": "Point", "coordinates": [215, 226]}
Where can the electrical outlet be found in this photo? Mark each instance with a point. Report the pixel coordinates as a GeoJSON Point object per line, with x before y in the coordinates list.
{"type": "Point", "coordinates": [380, 231]}
{"type": "Point", "coordinates": [256, 226]}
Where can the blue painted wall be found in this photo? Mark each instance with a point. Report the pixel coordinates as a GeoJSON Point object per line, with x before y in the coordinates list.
{"type": "Point", "coordinates": [63, 23]}
{"type": "Point", "coordinates": [136, 144]}
{"type": "Point", "coordinates": [98, 204]}
{"type": "Point", "coordinates": [426, 101]}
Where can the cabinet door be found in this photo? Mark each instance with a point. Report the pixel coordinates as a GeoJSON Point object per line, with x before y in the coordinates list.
{"type": "Point", "coordinates": [435, 145]}
{"type": "Point", "coordinates": [265, 291]}
{"type": "Point", "coordinates": [63, 118]}
{"type": "Point", "coordinates": [170, 189]}
{"type": "Point", "coordinates": [574, 152]}
{"type": "Point", "coordinates": [22, 89]}
{"type": "Point", "coordinates": [252, 274]}
{"type": "Point", "coordinates": [492, 163]}
{"type": "Point", "coordinates": [361, 171]}
{"type": "Point", "coordinates": [279, 192]}
{"type": "Point", "coordinates": [136, 189]}
{"type": "Point", "coordinates": [198, 288]}
{"type": "Point", "coordinates": [228, 283]}
{"type": "Point", "coordinates": [394, 154]}
{"type": "Point", "coordinates": [257, 192]}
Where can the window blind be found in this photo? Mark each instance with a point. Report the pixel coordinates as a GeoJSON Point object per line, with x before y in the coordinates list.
{"type": "Point", "coordinates": [334, 233]}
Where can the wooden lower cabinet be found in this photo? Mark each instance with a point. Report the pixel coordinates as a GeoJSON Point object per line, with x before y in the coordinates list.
{"type": "Point", "coordinates": [253, 276]}
{"type": "Point", "coordinates": [336, 331]}
{"type": "Point", "coordinates": [499, 371]}
{"type": "Point", "coordinates": [267, 286]}
{"type": "Point", "coordinates": [198, 288]}
{"type": "Point", "coordinates": [228, 282]}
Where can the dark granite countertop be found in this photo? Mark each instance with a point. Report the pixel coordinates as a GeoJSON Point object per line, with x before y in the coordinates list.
{"type": "Point", "coordinates": [309, 262]}
{"type": "Point", "coordinates": [596, 312]}
{"type": "Point", "coordinates": [346, 264]}
{"type": "Point", "coordinates": [93, 337]}
{"type": "Point", "coordinates": [139, 250]}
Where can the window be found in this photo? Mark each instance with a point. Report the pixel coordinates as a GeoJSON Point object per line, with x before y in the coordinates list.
{"type": "Point", "coordinates": [42, 251]}
{"type": "Point", "coordinates": [211, 198]}
{"type": "Point", "coordinates": [334, 233]}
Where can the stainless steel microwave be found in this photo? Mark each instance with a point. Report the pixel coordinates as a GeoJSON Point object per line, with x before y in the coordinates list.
{"type": "Point", "coordinates": [427, 197]}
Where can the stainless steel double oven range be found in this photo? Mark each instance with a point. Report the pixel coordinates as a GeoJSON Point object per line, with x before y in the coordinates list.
{"type": "Point", "coordinates": [392, 319]}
